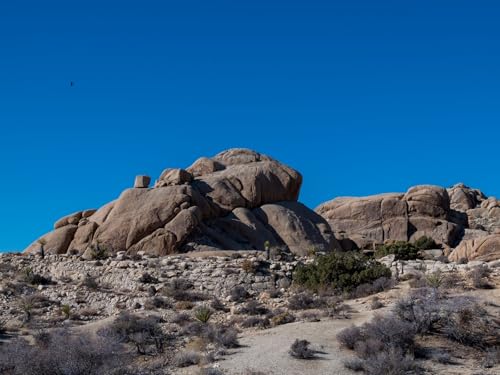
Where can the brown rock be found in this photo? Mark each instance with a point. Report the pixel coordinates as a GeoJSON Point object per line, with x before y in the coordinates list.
{"type": "Point", "coordinates": [484, 249]}
{"type": "Point", "coordinates": [142, 182]}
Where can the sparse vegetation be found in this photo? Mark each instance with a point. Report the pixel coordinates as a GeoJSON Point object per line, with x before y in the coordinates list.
{"type": "Point", "coordinates": [203, 314]}
{"type": "Point", "coordinates": [61, 354]}
{"type": "Point", "coordinates": [300, 349]}
{"type": "Point", "coordinates": [402, 250]}
{"type": "Point", "coordinates": [426, 243]}
{"type": "Point", "coordinates": [479, 277]}
{"type": "Point", "coordinates": [341, 272]}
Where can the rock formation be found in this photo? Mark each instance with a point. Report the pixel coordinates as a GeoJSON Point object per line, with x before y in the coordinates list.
{"type": "Point", "coordinates": [238, 199]}
{"type": "Point", "coordinates": [449, 216]}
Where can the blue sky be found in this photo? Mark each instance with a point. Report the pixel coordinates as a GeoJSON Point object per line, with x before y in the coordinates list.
{"type": "Point", "coordinates": [361, 97]}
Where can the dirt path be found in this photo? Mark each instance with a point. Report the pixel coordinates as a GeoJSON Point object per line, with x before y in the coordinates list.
{"type": "Point", "coordinates": [267, 350]}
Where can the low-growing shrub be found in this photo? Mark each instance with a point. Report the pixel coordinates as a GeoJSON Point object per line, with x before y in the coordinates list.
{"type": "Point", "coordinates": [304, 301]}
{"type": "Point", "coordinates": [248, 266]}
{"type": "Point", "coordinates": [187, 358]}
{"type": "Point", "coordinates": [238, 294]}
{"type": "Point", "coordinates": [339, 271]}
{"type": "Point", "coordinates": [90, 282]}
{"type": "Point", "coordinates": [282, 318]}
{"type": "Point", "coordinates": [254, 321]}
{"type": "Point", "coordinates": [426, 243]}
{"type": "Point", "coordinates": [402, 250]}
{"type": "Point", "coordinates": [479, 277]}
{"type": "Point", "coordinates": [203, 314]}
{"type": "Point", "coordinates": [147, 278]}
{"type": "Point", "coordinates": [33, 278]}
{"type": "Point", "coordinates": [376, 304]}
{"type": "Point", "coordinates": [142, 332]}
{"type": "Point", "coordinates": [61, 354]}
{"type": "Point", "coordinates": [300, 349]}
{"type": "Point", "coordinates": [253, 308]}
{"type": "Point", "coordinates": [218, 305]}
{"type": "Point", "coordinates": [157, 302]}
{"type": "Point", "coordinates": [389, 362]}
{"type": "Point", "coordinates": [349, 336]}
{"type": "Point", "coordinates": [180, 290]}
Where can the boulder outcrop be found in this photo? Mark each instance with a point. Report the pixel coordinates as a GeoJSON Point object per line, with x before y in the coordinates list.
{"type": "Point", "coordinates": [446, 215]}
{"type": "Point", "coordinates": [238, 199]}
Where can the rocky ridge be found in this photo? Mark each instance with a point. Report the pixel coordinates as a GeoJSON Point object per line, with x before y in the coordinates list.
{"type": "Point", "coordinates": [459, 217]}
{"type": "Point", "coordinates": [238, 200]}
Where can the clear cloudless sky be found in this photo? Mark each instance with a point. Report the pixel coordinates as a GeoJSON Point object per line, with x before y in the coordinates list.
{"type": "Point", "coordinates": [361, 97]}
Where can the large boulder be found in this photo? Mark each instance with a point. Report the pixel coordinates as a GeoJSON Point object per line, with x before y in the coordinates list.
{"type": "Point", "coordinates": [365, 222]}
{"type": "Point", "coordinates": [238, 199]}
{"type": "Point", "coordinates": [485, 249]}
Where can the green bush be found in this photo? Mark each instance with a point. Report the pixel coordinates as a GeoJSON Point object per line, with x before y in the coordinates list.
{"type": "Point", "coordinates": [426, 243]}
{"type": "Point", "coordinates": [402, 250]}
{"type": "Point", "coordinates": [339, 271]}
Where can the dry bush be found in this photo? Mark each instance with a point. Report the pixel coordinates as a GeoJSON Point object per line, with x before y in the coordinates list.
{"type": "Point", "coordinates": [187, 358]}
{"type": "Point", "coordinates": [304, 301]}
{"type": "Point", "coordinates": [142, 332]}
{"type": "Point", "coordinates": [254, 321]}
{"type": "Point", "coordinates": [479, 277]}
{"type": "Point", "coordinates": [61, 354]}
{"type": "Point", "coordinates": [282, 318]}
{"type": "Point", "coordinates": [376, 304]}
{"type": "Point", "coordinates": [147, 278]}
{"type": "Point", "coordinates": [238, 294]}
{"type": "Point", "coordinates": [220, 335]}
{"type": "Point", "coordinates": [253, 308]}
{"type": "Point", "coordinates": [157, 302]}
{"type": "Point", "coordinates": [300, 349]}
{"type": "Point", "coordinates": [179, 290]}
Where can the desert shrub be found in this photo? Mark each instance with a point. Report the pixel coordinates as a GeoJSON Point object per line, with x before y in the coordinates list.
{"type": "Point", "coordinates": [184, 305]}
{"type": "Point", "coordinates": [304, 301]}
{"type": "Point", "coordinates": [187, 358]}
{"type": "Point", "coordinates": [98, 252]}
{"type": "Point", "coordinates": [254, 321]}
{"type": "Point", "coordinates": [157, 302]}
{"type": "Point", "coordinates": [147, 278]}
{"type": "Point", "coordinates": [282, 318]}
{"type": "Point", "coordinates": [426, 243]}
{"type": "Point", "coordinates": [220, 335]}
{"type": "Point", "coordinates": [90, 282]}
{"type": "Point", "coordinates": [62, 354]}
{"type": "Point", "coordinates": [248, 266]}
{"type": "Point", "coordinates": [339, 271]}
{"type": "Point", "coordinates": [402, 250]}
{"type": "Point", "coordinates": [389, 362]}
{"type": "Point", "coordinates": [492, 357]}
{"type": "Point", "coordinates": [203, 314]}
{"type": "Point", "coordinates": [349, 336]}
{"type": "Point", "coordinates": [226, 337]}
{"type": "Point", "coordinates": [354, 364]}
{"type": "Point", "coordinates": [179, 290]}
{"type": "Point", "coordinates": [33, 278]}
{"type": "Point", "coordinates": [384, 345]}
{"type": "Point", "coordinates": [379, 285]}
{"type": "Point", "coordinates": [66, 311]}
{"type": "Point", "coordinates": [181, 319]}
{"type": "Point", "coordinates": [3, 330]}
{"type": "Point", "coordinates": [218, 305]}
{"type": "Point", "coordinates": [300, 349]}
{"type": "Point", "coordinates": [253, 308]}
{"type": "Point", "coordinates": [142, 332]}
{"type": "Point", "coordinates": [434, 279]}
{"type": "Point", "coordinates": [376, 304]}
{"type": "Point", "coordinates": [238, 294]}
{"type": "Point", "coordinates": [27, 305]}
{"type": "Point", "coordinates": [458, 318]}
{"type": "Point", "coordinates": [479, 277]}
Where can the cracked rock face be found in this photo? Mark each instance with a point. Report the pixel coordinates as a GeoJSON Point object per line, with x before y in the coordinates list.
{"type": "Point", "coordinates": [237, 200]}
{"type": "Point", "coordinates": [449, 216]}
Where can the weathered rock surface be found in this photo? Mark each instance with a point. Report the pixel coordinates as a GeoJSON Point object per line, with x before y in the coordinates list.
{"type": "Point", "coordinates": [236, 200]}
{"type": "Point", "coordinates": [446, 215]}
{"type": "Point", "coordinates": [485, 249]}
